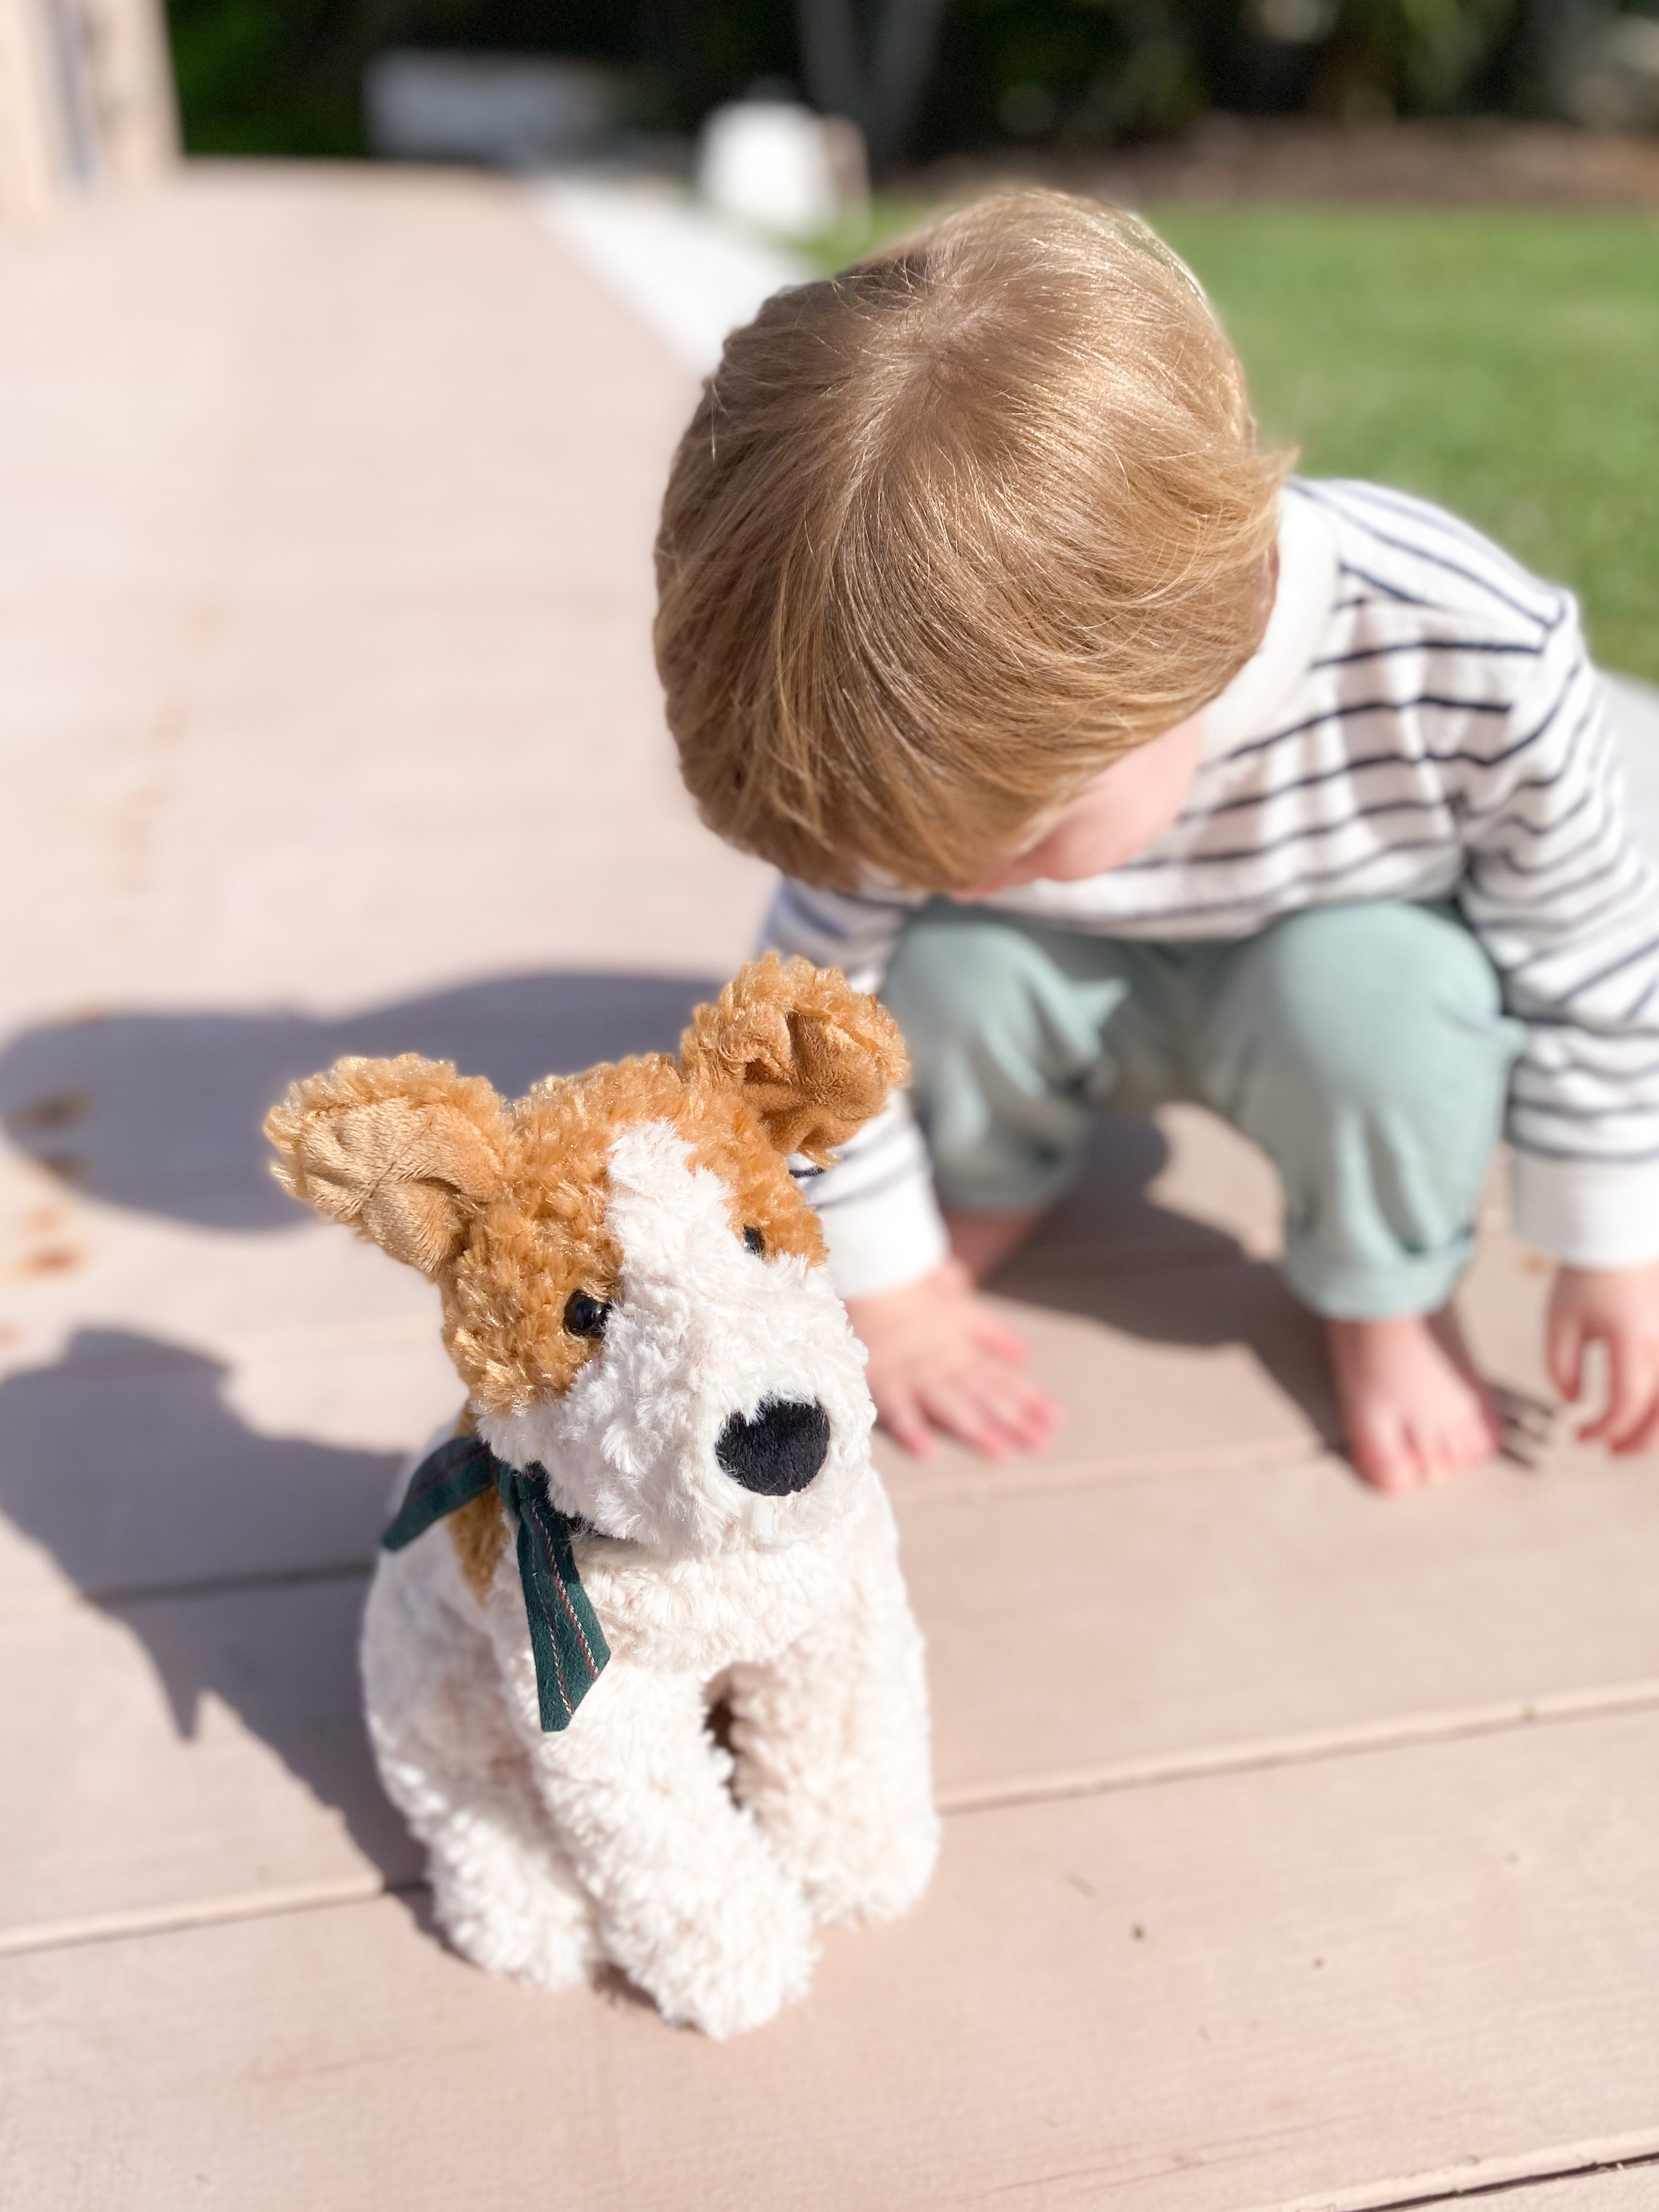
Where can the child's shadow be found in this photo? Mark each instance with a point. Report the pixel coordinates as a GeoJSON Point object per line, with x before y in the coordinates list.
{"type": "Point", "coordinates": [1113, 1254]}
{"type": "Point", "coordinates": [237, 1561]}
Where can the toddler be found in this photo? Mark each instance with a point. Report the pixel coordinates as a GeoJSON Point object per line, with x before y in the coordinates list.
{"type": "Point", "coordinates": [1129, 768]}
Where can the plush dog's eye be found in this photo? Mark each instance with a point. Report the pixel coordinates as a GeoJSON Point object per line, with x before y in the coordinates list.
{"type": "Point", "coordinates": [755, 1243]}
{"type": "Point", "coordinates": [584, 1315]}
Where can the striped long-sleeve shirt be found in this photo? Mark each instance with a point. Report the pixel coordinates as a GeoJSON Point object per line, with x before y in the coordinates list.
{"type": "Point", "coordinates": [1420, 722]}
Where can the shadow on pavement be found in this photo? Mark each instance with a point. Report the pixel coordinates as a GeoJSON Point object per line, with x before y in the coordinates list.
{"type": "Point", "coordinates": [161, 1111]}
{"type": "Point", "coordinates": [1114, 1255]}
{"type": "Point", "coordinates": [1201, 1307]}
{"type": "Point", "coordinates": [123, 1461]}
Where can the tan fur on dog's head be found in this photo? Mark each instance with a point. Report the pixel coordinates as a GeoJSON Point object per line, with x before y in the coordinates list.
{"type": "Point", "coordinates": [502, 1203]}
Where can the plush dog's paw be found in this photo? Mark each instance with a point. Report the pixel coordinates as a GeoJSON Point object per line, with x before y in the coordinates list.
{"type": "Point", "coordinates": [527, 1928]}
{"type": "Point", "coordinates": [546, 1953]}
{"type": "Point", "coordinates": [873, 1873]}
{"type": "Point", "coordinates": [505, 1906]}
{"type": "Point", "coordinates": [748, 1956]}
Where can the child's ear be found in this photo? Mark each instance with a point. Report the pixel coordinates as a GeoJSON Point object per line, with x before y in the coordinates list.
{"type": "Point", "coordinates": [811, 1057]}
{"type": "Point", "coordinates": [405, 1151]}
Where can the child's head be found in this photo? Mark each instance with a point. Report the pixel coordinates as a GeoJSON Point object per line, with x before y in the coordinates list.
{"type": "Point", "coordinates": [950, 533]}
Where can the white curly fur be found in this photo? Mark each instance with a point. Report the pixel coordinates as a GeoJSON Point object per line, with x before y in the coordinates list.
{"type": "Point", "coordinates": [629, 1836]}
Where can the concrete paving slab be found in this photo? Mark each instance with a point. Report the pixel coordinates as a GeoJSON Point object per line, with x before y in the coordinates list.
{"type": "Point", "coordinates": [1157, 1623]}
{"type": "Point", "coordinates": [198, 1753]}
{"type": "Point", "coordinates": [1629, 2188]}
{"type": "Point", "coordinates": [310, 592]}
{"type": "Point", "coordinates": [67, 1265]}
{"type": "Point", "coordinates": [1247, 1990]}
{"type": "Point", "coordinates": [188, 1759]}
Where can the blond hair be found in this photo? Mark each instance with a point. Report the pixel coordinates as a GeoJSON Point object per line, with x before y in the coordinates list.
{"type": "Point", "coordinates": [948, 532]}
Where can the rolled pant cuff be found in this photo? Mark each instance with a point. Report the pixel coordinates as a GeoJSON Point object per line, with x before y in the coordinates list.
{"type": "Point", "coordinates": [1369, 1289]}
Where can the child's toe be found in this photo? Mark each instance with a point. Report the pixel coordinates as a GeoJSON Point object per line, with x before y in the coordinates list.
{"type": "Point", "coordinates": [1387, 1457]}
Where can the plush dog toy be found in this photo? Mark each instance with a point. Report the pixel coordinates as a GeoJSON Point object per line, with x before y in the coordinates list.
{"type": "Point", "coordinates": [659, 1499]}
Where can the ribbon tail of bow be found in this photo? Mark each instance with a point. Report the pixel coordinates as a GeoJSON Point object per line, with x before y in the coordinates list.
{"type": "Point", "coordinates": [449, 1478]}
{"type": "Point", "coordinates": [566, 1639]}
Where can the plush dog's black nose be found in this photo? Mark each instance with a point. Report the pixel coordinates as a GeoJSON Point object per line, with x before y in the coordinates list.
{"type": "Point", "coordinates": [776, 1450]}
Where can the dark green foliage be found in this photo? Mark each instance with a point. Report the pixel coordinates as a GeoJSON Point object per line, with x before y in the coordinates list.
{"type": "Point", "coordinates": [267, 76]}
{"type": "Point", "coordinates": [1063, 72]}
{"type": "Point", "coordinates": [1075, 73]}
{"type": "Point", "coordinates": [283, 75]}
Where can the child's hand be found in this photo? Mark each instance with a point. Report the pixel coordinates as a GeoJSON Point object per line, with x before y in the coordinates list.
{"type": "Point", "coordinates": [940, 1359]}
{"type": "Point", "coordinates": [1618, 1307]}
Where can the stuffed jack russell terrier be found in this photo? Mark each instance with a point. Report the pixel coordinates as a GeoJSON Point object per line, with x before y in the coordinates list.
{"type": "Point", "coordinates": [660, 1496]}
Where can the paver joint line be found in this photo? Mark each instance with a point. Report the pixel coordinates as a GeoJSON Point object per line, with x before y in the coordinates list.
{"type": "Point", "coordinates": [1024, 1478]}
{"type": "Point", "coordinates": [1552, 1708]}
{"type": "Point", "coordinates": [1222, 1760]}
{"type": "Point", "coordinates": [1509, 2175]}
{"type": "Point", "coordinates": [204, 1912]}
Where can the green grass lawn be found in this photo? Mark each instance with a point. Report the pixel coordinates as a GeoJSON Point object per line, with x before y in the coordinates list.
{"type": "Point", "coordinates": [1504, 363]}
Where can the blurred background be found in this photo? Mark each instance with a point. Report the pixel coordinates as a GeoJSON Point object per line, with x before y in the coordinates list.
{"type": "Point", "coordinates": [929, 78]}
{"type": "Point", "coordinates": [1428, 222]}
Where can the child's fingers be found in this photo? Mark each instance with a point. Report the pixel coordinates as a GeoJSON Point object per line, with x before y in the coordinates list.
{"type": "Point", "coordinates": [1009, 1408]}
{"type": "Point", "coordinates": [953, 1404]}
{"type": "Point", "coordinates": [1025, 1413]}
{"type": "Point", "coordinates": [1645, 1436]}
{"type": "Point", "coordinates": [902, 1418]}
{"type": "Point", "coordinates": [1040, 1414]}
{"type": "Point", "coordinates": [1627, 1400]}
{"type": "Point", "coordinates": [995, 1337]}
{"type": "Point", "coordinates": [1563, 1353]}
{"type": "Point", "coordinates": [990, 1407]}
{"type": "Point", "coordinates": [1638, 1403]}
{"type": "Point", "coordinates": [977, 1391]}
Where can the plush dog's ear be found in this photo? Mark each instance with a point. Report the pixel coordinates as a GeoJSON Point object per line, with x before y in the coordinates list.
{"type": "Point", "coordinates": [811, 1057]}
{"type": "Point", "coordinates": [405, 1151]}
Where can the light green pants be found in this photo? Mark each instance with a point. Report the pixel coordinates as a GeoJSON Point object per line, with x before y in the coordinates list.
{"type": "Point", "coordinates": [1364, 1048]}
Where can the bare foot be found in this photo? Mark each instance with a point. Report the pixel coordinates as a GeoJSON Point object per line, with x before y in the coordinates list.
{"type": "Point", "coordinates": [1413, 1406]}
{"type": "Point", "coordinates": [941, 1361]}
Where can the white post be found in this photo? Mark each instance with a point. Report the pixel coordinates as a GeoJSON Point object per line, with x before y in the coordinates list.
{"type": "Point", "coordinates": [33, 155]}
{"type": "Point", "coordinates": [135, 115]}
{"type": "Point", "coordinates": [86, 96]}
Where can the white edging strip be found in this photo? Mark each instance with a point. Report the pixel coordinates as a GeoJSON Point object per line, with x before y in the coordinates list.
{"type": "Point", "coordinates": [689, 276]}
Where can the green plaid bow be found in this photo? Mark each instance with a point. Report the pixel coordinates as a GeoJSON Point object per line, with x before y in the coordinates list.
{"type": "Point", "coordinates": [566, 1639]}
